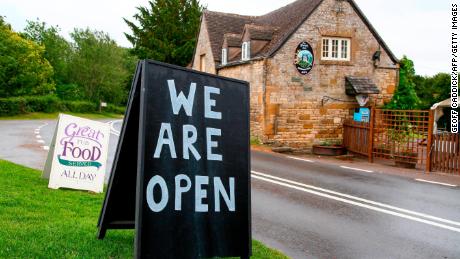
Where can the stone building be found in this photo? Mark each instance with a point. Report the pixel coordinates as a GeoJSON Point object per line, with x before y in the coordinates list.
{"type": "Point", "coordinates": [305, 63]}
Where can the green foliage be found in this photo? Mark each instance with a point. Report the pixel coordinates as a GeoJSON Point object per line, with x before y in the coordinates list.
{"type": "Point", "coordinates": [81, 106]}
{"type": "Point", "coordinates": [433, 89]}
{"type": "Point", "coordinates": [167, 30]}
{"type": "Point", "coordinates": [99, 66]}
{"type": "Point", "coordinates": [38, 222]}
{"type": "Point", "coordinates": [26, 104]}
{"type": "Point", "coordinates": [57, 50]}
{"type": "Point", "coordinates": [47, 103]}
{"type": "Point", "coordinates": [12, 106]}
{"type": "Point", "coordinates": [23, 68]}
{"type": "Point", "coordinates": [114, 109]}
{"type": "Point", "coordinates": [69, 92]}
{"type": "Point", "coordinates": [89, 70]}
{"type": "Point", "coordinates": [255, 140]}
{"type": "Point", "coordinates": [405, 97]}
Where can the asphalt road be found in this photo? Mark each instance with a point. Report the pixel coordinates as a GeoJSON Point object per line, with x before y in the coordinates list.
{"type": "Point", "coordinates": [314, 209]}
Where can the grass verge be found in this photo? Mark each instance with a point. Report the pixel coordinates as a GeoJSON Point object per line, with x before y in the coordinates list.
{"type": "Point", "coordinates": [37, 222]}
{"type": "Point", "coordinates": [50, 116]}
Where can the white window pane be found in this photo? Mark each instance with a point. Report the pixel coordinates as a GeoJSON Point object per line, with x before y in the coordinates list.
{"type": "Point", "coordinates": [248, 50]}
{"type": "Point", "coordinates": [344, 49]}
{"type": "Point", "coordinates": [224, 56]}
{"type": "Point", "coordinates": [325, 48]}
{"type": "Point", "coordinates": [335, 48]}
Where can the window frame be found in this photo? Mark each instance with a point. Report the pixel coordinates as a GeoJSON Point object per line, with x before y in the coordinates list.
{"type": "Point", "coordinates": [245, 51]}
{"type": "Point", "coordinates": [203, 62]}
{"type": "Point", "coordinates": [224, 57]}
{"type": "Point", "coordinates": [334, 52]}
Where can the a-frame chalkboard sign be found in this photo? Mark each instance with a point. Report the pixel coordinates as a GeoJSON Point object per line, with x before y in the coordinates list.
{"type": "Point", "coordinates": [181, 170]}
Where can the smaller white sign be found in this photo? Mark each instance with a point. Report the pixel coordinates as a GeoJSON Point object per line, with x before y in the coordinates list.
{"type": "Point", "coordinates": [77, 157]}
{"type": "Point", "coordinates": [362, 99]}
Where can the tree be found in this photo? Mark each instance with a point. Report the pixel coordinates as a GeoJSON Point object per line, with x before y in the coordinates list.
{"type": "Point", "coordinates": [167, 30]}
{"type": "Point", "coordinates": [23, 68]}
{"type": "Point", "coordinates": [405, 97]}
{"type": "Point", "coordinates": [99, 66]}
{"type": "Point", "coordinates": [57, 49]}
{"type": "Point", "coordinates": [433, 89]}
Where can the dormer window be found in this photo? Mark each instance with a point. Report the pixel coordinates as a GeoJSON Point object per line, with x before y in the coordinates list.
{"type": "Point", "coordinates": [245, 51]}
{"type": "Point", "coordinates": [224, 57]}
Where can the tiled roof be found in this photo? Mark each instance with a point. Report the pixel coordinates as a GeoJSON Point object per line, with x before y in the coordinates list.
{"type": "Point", "coordinates": [220, 23]}
{"type": "Point", "coordinates": [275, 27]}
{"type": "Point", "coordinates": [258, 32]}
{"type": "Point", "coordinates": [360, 85]}
{"type": "Point", "coordinates": [233, 40]}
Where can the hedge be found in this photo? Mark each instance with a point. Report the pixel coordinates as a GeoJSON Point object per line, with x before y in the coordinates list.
{"type": "Point", "coordinates": [48, 104]}
{"type": "Point", "coordinates": [80, 106]}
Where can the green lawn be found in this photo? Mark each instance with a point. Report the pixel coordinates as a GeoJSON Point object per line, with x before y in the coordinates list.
{"type": "Point", "coordinates": [50, 116]}
{"type": "Point", "coordinates": [37, 222]}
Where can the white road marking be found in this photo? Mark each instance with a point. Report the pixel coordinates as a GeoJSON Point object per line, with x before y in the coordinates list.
{"type": "Point", "coordinates": [43, 125]}
{"type": "Point", "coordinates": [358, 199]}
{"type": "Point", "coordinates": [360, 204]}
{"type": "Point", "coordinates": [357, 169]}
{"type": "Point", "coordinates": [112, 128]}
{"type": "Point", "coordinates": [426, 181]}
{"type": "Point", "coordinates": [301, 159]}
{"type": "Point", "coordinates": [38, 137]}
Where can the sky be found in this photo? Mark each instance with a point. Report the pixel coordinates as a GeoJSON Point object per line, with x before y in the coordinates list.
{"type": "Point", "coordinates": [419, 29]}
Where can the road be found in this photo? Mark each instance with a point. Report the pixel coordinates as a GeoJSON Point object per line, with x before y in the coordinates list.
{"type": "Point", "coordinates": [314, 209]}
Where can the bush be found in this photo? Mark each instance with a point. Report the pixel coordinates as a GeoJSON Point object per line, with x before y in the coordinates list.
{"type": "Point", "coordinates": [114, 109]}
{"type": "Point", "coordinates": [12, 106]}
{"type": "Point", "coordinates": [81, 106]}
{"type": "Point", "coordinates": [50, 103]}
{"type": "Point", "coordinates": [20, 105]}
{"type": "Point", "coordinates": [47, 103]}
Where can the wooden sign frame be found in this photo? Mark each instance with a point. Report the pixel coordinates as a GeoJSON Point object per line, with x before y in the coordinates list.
{"type": "Point", "coordinates": [124, 203]}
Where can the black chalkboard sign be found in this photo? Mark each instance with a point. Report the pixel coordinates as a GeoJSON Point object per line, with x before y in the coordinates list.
{"type": "Point", "coordinates": [181, 171]}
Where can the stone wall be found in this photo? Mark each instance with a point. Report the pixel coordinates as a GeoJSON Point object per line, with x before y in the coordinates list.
{"type": "Point", "coordinates": [203, 47]}
{"type": "Point", "coordinates": [252, 72]}
{"type": "Point", "coordinates": [296, 111]}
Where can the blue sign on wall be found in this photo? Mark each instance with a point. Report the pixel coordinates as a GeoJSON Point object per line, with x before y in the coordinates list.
{"type": "Point", "coordinates": [361, 115]}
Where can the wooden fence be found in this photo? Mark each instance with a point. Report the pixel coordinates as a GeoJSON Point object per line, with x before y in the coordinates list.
{"type": "Point", "coordinates": [445, 155]}
{"type": "Point", "coordinates": [356, 137]}
{"type": "Point", "coordinates": [402, 136]}
{"type": "Point", "coordinates": [407, 138]}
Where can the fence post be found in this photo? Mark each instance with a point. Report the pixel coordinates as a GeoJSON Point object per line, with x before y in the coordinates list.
{"type": "Point", "coordinates": [371, 135]}
{"type": "Point", "coordinates": [429, 141]}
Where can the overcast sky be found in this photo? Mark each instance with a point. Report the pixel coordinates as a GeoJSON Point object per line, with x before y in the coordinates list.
{"type": "Point", "coordinates": [416, 28]}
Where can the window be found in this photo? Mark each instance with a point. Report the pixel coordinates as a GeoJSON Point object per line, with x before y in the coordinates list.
{"type": "Point", "coordinates": [203, 62]}
{"type": "Point", "coordinates": [336, 49]}
{"type": "Point", "coordinates": [224, 56]}
{"type": "Point", "coordinates": [245, 51]}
